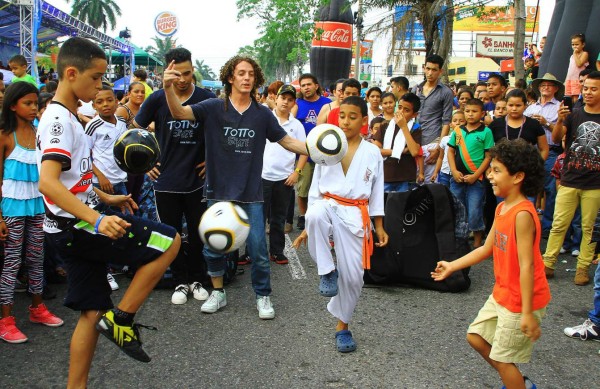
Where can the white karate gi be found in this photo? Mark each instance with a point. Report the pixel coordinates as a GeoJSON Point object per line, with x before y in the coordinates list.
{"type": "Point", "coordinates": [364, 180]}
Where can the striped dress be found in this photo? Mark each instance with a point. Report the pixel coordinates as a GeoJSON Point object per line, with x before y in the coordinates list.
{"type": "Point", "coordinates": [23, 212]}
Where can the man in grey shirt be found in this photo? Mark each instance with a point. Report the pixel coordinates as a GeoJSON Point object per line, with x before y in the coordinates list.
{"type": "Point", "coordinates": [436, 111]}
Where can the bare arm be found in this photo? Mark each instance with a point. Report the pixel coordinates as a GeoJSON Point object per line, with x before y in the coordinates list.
{"type": "Point", "coordinates": [559, 130]}
{"type": "Point", "coordinates": [524, 231]}
{"type": "Point", "coordinates": [322, 118]}
{"type": "Point", "coordinates": [293, 145]}
{"type": "Point", "coordinates": [542, 144]}
{"type": "Point", "coordinates": [178, 111]}
{"type": "Point", "coordinates": [582, 59]}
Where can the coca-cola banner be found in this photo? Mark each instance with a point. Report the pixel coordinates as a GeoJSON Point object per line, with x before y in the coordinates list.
{"type": "Point", "coordinates": [333, 34]}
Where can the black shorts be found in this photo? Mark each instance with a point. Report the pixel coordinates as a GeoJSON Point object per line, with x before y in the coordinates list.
{"type": "Point", "coordinates": [86, 255]}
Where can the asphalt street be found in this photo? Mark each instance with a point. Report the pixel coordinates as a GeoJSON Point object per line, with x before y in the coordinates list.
{"type": "Point", "coordinates": [407, 338]}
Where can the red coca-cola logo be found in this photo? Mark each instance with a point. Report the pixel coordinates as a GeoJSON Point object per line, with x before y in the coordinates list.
{"type": "Point", "coordinates": [333, 34]}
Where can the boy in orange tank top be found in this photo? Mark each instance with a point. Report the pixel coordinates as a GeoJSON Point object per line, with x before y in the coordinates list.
{"type": "Point", "coordinates": [506, 327]}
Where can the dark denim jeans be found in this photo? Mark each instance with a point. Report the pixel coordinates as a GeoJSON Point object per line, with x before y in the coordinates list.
{"type": "Point", "coordinates": [472, 198]}
{"type": "Point", "coordinates": [256, 247]}
{"type": "Point", "coordinates": [595, 313]}
{"type": "Point", "coordinates": [277, 197]}
{"type": "Point", "coordinates": [550, 191]}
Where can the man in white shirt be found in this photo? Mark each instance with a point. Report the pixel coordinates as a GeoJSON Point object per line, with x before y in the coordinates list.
{"type": "Point", "coordinates": [278, 174]}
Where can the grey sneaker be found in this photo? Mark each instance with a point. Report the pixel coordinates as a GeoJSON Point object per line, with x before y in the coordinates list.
{"type": "Point", "coordinates": [265, 308]}
{"type": "Point", "coordinates": [215, 301]}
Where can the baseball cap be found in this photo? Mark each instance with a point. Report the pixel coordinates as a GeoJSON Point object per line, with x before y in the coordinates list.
{"type": "Point", "coordinates": [287, 88]}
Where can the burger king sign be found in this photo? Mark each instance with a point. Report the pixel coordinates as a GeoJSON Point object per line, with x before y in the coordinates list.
{"type": "Point", "coordinates": [166, 23]}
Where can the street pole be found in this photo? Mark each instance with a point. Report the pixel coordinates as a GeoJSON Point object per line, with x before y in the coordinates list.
{"type": "Point", "coordinates": [359, 26]}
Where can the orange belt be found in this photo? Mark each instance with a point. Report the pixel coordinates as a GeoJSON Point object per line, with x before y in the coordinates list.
{"type": "Point", "coordinates": [364, 210]}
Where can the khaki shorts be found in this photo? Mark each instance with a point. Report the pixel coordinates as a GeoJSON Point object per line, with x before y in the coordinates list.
{"type": "Point", "coordinates": [303, 185]}
{"type": "Point", "coordinates": [502, 329]}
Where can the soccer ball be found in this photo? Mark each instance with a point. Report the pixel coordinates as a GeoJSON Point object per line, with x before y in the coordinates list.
{"type": "Point", "coordinates": [326, 144]}
{"type": "Point", "coordinates": [136, 151]}
{"type": "Point", "coordinates": [224, 227]}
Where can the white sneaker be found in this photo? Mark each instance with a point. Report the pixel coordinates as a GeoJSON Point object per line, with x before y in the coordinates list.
{"type": "Point", "coordinates": [562, 250]}
{"type": "Point", "coordinates": [216, 301]}
{"type": "Point", "coordinates": [575, 253]}
{"type": "Point", "coordinates": [180, 294]}
{"type": "Point", "coordinates": [198, 291]}
{"type": "Point", "coordinates": [112, 282]}
{"type": "Point", "coordinates": [265, 308]}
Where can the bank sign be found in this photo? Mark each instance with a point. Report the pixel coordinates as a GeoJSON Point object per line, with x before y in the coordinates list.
{"type": "Point", "coordinates": [495, 45]}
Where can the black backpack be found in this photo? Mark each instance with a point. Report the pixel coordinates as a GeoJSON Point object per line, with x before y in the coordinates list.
{"type": "Point", "coordinates": [424, 226]}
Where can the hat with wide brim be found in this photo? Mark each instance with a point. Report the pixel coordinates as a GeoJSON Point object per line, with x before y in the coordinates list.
{"type": "Point", "coordinates": [535, 85]}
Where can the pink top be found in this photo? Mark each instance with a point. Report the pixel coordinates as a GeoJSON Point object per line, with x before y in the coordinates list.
{"type": "Point", "coordinates": [572, 86]}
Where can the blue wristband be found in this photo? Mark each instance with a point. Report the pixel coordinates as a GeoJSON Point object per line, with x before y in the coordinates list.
{"type": "Point", "coordinates": [98, 224]}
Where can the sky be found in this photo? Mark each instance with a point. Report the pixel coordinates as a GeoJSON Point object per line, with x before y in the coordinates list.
{"type": "Point", "coordinates": [211, 31]}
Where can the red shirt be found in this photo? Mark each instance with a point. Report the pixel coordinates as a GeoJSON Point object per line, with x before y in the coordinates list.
{"type": "Point", "coordinates": [507, 289]}
{"type": "Point", "coordinates": [334, 118]}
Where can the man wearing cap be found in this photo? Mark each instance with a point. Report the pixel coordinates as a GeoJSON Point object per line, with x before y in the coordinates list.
{"type": "Point", "coordinates": [278, 174]}
{"type": "Point", "coordinates": [545, 110]}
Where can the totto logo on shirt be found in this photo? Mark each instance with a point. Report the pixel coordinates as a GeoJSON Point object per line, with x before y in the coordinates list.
{"type": "Point", "coordinates": [239, 138]}
{"type": "Point", "coordinates": [183, 130]}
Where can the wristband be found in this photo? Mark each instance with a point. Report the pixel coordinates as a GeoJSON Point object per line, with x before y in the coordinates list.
{"type": "Point", "coordinates": [98, 224]}
{"type": "Point", "coordinates": [298, 171]}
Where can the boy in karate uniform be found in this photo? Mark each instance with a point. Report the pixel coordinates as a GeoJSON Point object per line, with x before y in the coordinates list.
{"type": "Point", "coordinates": [341, 201]}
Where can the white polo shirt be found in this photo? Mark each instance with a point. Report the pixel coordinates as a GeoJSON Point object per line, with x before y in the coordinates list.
{"type": "Point", "coordinates": [278, 163]}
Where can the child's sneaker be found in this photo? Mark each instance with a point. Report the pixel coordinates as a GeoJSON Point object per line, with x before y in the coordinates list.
{"type": "Point", "coordinates": [127, 338]}
{"type": "Point", "coordinates": [112, 282]}
{"type": "Point", "coordinates": [585, 331]}
{"type": "Point", "coordinates": [265, 308]}
{"type": "Point", "coordinates": [216, 301]}
{"type": "Point", "coordinates": [528, 384]}
{"type": "Point", "coordinates": [198, 291]}
{"type": "Point", "coordinates": [279, 259]}
{"type": "Point", "coordinates": [9, 331]}
{"type": "Point", "coordinates": [180, 295]}
{"type": "Point", "coordinates": [42, 315]}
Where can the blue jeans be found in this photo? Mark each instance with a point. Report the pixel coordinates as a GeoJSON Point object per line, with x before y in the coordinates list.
{"type": "Point", "coordinates": [472, 198]}
{"type": "Point", "coordinates": [444, 179]}
{"type": "Point", "coordinates": [550, 191]}
{"type": "Point", "coordinates": [256, 246]}
{"type": "Point", "coordinates": [389, 187]}
{"type": "Point", "coordinates": [594, 314]}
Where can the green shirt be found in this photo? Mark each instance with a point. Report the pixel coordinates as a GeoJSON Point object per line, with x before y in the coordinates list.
{"type": "Point", "coordinates": [477, 142]}
{"type": "Point", "coordinates": [26, 78]}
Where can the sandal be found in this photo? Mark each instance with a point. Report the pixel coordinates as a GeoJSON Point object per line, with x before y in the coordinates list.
{"type": "Point", "coordinates": [344, 341]}
{"type": "Point", "coordinates": [328, 285]}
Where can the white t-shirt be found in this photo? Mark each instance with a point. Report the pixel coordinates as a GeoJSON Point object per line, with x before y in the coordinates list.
{"type": "Point", "coordinates": [278, 163]}
{"type": "Point", "coordinates": [87, 109]}
{"type": "Point", "coordinates": [61, 138]}
{"type": "Point", "coordinates": [103, 136]}
{"type": "Point", "coordinates": [444, 145]}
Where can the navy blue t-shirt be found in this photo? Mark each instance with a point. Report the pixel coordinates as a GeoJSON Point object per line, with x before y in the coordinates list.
{"type": "Point", "coordinates": [235, 144]}
{"type": "Point", "coordinates": [181, 142]}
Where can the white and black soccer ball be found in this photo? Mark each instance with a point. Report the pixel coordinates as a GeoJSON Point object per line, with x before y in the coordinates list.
{"type": "Point", "coordinates": [326, 144]}
{"type": "Point", "coordinates": [224, 227]}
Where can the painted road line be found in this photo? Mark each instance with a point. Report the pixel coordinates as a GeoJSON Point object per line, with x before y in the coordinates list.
{"type": "Point", "coordinates": [294, 265]}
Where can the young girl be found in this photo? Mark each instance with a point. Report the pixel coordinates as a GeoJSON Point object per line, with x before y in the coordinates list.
{"type": "Point", "coordinates": [136, 95]}
{"type": "Point", "coordinates": [388, 103]}
{"type": "Point", "coordinates": [577, 62]}
{"type": "Point", "coordinates": [374, 100]}
{"type": "Point", "coordinates": [22, 214]}
{"type": "Point", "coordinates": [516, 125]}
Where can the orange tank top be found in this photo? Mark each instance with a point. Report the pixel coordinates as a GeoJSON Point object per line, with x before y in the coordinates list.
{"type": "Point", "coordinates": [507, 289]}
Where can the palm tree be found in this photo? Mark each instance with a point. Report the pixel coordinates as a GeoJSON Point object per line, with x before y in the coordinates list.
{"type": "Point", "coordinates": [97, 13]}
{"type": "Point", "coordinates": [162, 46]}
{"type": "Point", "coordinates": [205, 71]}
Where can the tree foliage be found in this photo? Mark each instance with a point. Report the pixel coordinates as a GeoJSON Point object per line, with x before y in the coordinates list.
{"type": "Point", "coordinates": [205, 71]}
{"type": "Point", "coordinates": [99, 14]}
{"type": "Point", "coordinates": [286, 33]}
{"type": "Point", "coordinates": [161, 46]}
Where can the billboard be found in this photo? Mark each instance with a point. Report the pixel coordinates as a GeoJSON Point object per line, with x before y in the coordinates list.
{"type": "Point", "coordinates": [492, 19]}
{"type": "Point", "coordinates": [489, 45]}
